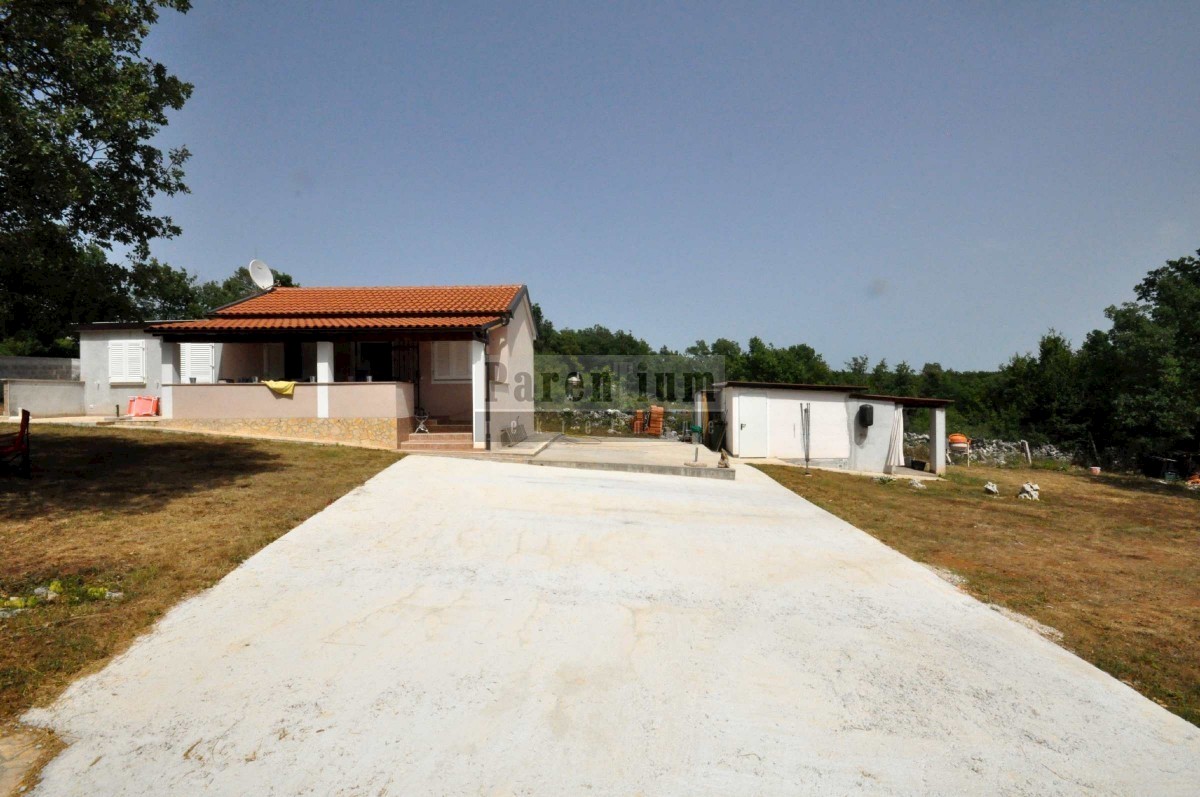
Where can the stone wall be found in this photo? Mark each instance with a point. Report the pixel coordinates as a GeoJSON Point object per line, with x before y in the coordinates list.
{"type": "Point", "coordinates": [997, 452]}
{"type": "Point", "coordinates": [366, 432]}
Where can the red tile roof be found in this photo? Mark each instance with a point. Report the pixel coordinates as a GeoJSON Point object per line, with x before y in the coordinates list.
{"type": "Point", "coordinates": [438, 300]}
{"type": "Point", "coordinates": [303, 323]}
{"type": "Point", "coordinates": [300, 309]}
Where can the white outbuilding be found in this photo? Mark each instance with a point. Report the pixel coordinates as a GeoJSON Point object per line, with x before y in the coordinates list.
{"type": "Point", "coordinates": [828, 426]}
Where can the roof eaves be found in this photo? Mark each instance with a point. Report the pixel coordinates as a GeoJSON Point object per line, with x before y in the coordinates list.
{"type": "Point", "coordinates": [791, 386]}
{"type": "Point", "coordinates": [909, 401]}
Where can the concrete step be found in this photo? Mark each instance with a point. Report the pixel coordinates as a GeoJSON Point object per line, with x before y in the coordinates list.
{"type": "Point", "coordinates": [439, 441]}
{"type": "Point", "coordinates": [422, 444]}
{"type": "Point", "coordinates": [448, 428]}
{"type": "Point", "coordinates": [442, 436]}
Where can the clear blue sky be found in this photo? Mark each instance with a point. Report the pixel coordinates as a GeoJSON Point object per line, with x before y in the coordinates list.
{"type": "Point", "coordinates": [931, 183]}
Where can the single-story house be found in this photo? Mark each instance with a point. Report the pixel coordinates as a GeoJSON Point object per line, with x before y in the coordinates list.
{"type": "Point", "coordinates": [834, 426]}
{"type": "Point", "coordinates": [366, 363]}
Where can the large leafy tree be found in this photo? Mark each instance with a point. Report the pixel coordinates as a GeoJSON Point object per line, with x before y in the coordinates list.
{"type": "Point", "coordinates": [1143, 374]}
{"type": "Point", "coordinates": [211, 295]}
{"type": "Point", "coordinates": [79, 108]}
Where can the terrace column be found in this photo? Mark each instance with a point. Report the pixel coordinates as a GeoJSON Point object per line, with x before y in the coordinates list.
{"type": "Point", "coordinates": [324, 376]}
{"type": "Point", "coordinates": [479, 393]}
{"type": "Point", "coordinates": [937, 440]}
{"type": "Point", "coordinates": [169, 375]}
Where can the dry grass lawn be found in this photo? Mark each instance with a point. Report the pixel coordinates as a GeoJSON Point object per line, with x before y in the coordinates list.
{"type": "Point", "coordinates": [1113, 562]}
{"type": "Point", "coordinates": [156, 516]}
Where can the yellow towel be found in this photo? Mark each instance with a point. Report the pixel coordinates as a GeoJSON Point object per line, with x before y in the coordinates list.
{"type": "Point", "coordinates": [281, 388]}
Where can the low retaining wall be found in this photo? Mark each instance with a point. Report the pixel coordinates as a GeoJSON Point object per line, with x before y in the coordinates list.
{"type": "Point", "coordinates": [367, 432]}
{"type": "Point", "coordinates": [44, 398]}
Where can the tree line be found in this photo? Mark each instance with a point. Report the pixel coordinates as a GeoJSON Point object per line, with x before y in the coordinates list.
{"type": "Point", "coordinates": [1127, 391]}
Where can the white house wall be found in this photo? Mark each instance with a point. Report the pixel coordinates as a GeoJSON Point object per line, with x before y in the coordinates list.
{"type": "Point", "coordinates": [100, 397]}
{"type": "Point", "coordinates": [510, 357]}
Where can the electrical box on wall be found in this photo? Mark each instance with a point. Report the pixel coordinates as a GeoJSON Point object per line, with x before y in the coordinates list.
{"type": "Point", "coordinates": [866, 416]}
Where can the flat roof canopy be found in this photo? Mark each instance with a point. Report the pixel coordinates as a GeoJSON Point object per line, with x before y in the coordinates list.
{"type": "Point", "coordinates": [855, 391]}
{"type": "Point", "coordinates": [793, 386]}
{"type": "Point", "coordinates": [905, 401]}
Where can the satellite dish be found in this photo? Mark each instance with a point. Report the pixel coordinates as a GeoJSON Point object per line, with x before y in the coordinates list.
{"type": "Point", "coordinates": [261, 274]}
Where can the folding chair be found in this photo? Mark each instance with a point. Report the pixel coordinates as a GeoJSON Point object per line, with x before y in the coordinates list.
{"type": "Point", "coordinates": [14, 449]}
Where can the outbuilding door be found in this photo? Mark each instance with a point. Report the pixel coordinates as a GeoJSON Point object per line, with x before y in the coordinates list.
{"type": "Point", "coordinates": [752, 425]}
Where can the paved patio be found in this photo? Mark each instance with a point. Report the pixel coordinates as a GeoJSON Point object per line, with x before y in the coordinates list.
{"type": "Point", "coordinates": [643, 455]}
{"type": "Point", "coordinates": [465, 627]}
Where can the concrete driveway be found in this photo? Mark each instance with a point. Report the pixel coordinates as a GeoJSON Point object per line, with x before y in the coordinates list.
{"type": "Point", "coordinates": [458, 627]}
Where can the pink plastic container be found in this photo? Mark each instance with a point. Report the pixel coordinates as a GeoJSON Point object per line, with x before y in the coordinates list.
{"type": "Point", "coordinates": [142, 406]}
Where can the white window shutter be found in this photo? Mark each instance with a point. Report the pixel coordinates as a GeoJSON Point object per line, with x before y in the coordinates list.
{"type": "Point", "coordinates": [197, 361]}
{"type": "Point", "coordinates": [208, 361]}
{"type": "Point", "coordinates": [441, 360]}
{"type": "Point", "coordinates": [126, 362]}
{"type": "Point", "coordinates": [135, 357]}
{"type": "Point", "coordinates": [462, 360]}
{"type": "Point", "coordinates": [116, 360]}
{"type": "Point", "coordinates": [452, 361]}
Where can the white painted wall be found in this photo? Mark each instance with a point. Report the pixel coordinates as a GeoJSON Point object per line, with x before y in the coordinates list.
{"type": "Point", "coordinates": [937, 440]}
{"type": "Point", "coordinates": [478, 397]}
{"type": "Point", "coordinates": [324, 376]}
{"type": "Point", "coordinates": [784, 437]}
{"type": "Point", "coordinates": [869, 447]}
{"type": "Point", "coordinates": [169, 368]}
{"type": "Point", "coordinates": [44, 398]}
{"type": "Point", "coordinates": [100, 397]}
{"type": "Point", "coordinates": [828, 424]}
{"type": "Point", "coordinates": [510, 359]}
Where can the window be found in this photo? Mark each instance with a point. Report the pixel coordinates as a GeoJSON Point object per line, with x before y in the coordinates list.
{"type": "Point", "coordinates": [197, 361]}
{"type": "Point", "coordinates": [452, 361]}
{"type": "Point", "coordinates": [127, 362]}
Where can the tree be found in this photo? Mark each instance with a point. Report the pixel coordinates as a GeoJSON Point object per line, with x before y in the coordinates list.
{"type": "Point", "coordinates": [731, 350]}
{"type": "Point", "coordinates": [209, 296]}
{"type": "Point", "coordinates": [904, 380]}
{"type": "Point", "coordinates": [1139, 397]}
{"type": "Point", "coordinates": [79, 108]}
{"type": "Point", "coordinates": [857, 369]}
{"type": "Point", "coordinates": [880, 380]}
{"type": "Point", "coordinates": [89, 287]}
{"type": "Point", "coordinates": [160, 292]}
